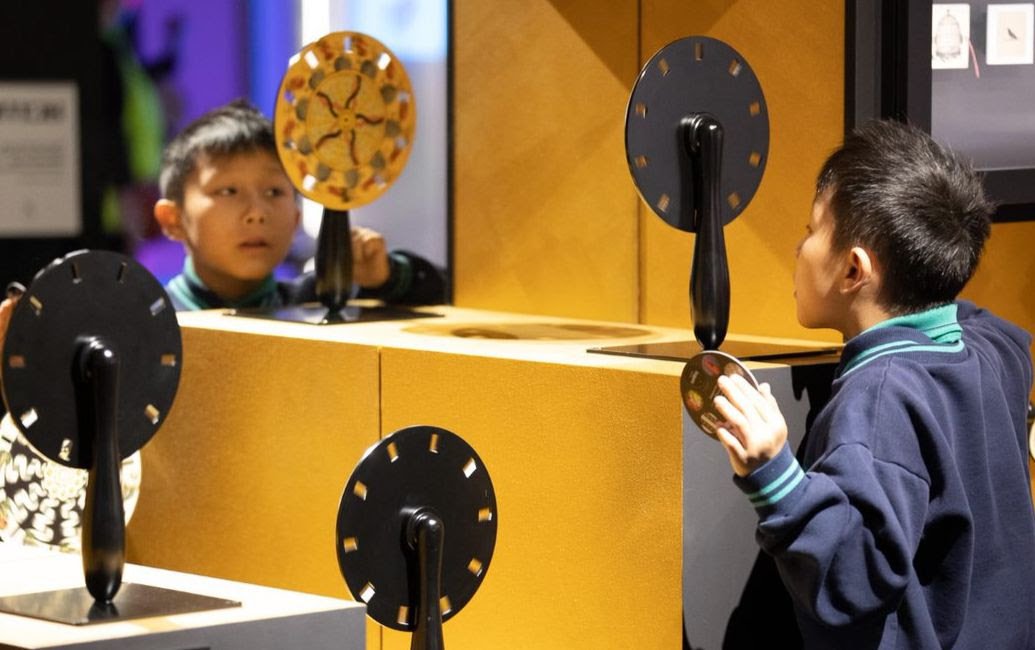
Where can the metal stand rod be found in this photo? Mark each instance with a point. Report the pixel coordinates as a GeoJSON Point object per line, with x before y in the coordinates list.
{"type": "Point", "coordinates": [104, 524]}
{"type": "Point", "coordinates": [334, 262]}
{"type": "Point", "coordinates": [427, 535]}
{"type": "Point", "coordinates": [709, 276]}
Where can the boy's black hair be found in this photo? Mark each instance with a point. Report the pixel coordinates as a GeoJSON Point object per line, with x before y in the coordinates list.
{"type": "Point", "coordinates": [237, 127]}
{"type": "Point", "coordinates": [919, 207]}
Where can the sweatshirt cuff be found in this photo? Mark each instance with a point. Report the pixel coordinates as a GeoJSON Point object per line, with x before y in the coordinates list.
{"type": "Point", "coordinates": [769, 486]}
{"type": "Point", "coordinates": [400, 277]}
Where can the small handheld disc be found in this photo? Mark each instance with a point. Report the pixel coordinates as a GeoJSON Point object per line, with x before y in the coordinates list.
{"type": "Point", "coordinates": [416, 467]}
{"type": "Point", "coordinates": [695, 75]}
{"type": "Point", "coordinates": [90, 294]}
{"type": "Point", "coordinates": [344, 120]}
{"type": "Point", "coordinates": [699, 385]}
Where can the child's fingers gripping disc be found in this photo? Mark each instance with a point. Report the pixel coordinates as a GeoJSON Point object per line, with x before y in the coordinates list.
{"type": "Point", "coordinates": [699, 386]}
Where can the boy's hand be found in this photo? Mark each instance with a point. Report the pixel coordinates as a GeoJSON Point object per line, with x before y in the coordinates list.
{"type": "Point", "coordinates": [14, 292]}
{"type": "Point", "coordinates": [756, 429]}
{"type": "Point", "coordinates": [369, 258]}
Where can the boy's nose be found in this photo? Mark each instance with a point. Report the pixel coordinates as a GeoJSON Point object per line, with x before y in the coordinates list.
{"type": "Point", "coordinates": [255, 211]}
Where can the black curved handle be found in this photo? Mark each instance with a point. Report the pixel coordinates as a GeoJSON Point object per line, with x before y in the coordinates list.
{"type": "Point", "coordinates": [104, 523]}
{"type": "Point", "coordinates": [334, 262]}
{"type": "Point", "coordinates": [427, 535]}
{"type": "Point", "coordinates": [709, 274]}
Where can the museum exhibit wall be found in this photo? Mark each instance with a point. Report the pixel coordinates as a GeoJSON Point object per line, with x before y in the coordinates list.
{"type": "Point", "coordinates": [546, 217]}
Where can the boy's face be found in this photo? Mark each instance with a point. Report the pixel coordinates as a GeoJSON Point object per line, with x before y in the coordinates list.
{"type": "Point", "coordinates": [818, 270]}
{"type": "Point", "coordinates": [237, 220]}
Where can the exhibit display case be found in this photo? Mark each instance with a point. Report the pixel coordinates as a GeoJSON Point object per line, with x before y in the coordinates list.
{"type": "Point", "coordinates": [586, 453]}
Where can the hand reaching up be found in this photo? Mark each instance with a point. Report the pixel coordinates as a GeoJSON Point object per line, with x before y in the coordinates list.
{"type": "Point", "coordinates": [369, 258]}
{"type": "Point", "coordinates": [14, 292]}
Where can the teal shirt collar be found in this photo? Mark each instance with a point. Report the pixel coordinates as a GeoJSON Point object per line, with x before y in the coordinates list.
{"type": "Point", "coordinates": [191, 291]}
{"type": "Point", "coordinates": [933, 330]}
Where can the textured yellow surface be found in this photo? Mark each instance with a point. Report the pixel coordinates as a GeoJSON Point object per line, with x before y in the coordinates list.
{"type": "Point", "coordinates": [584, 450]}
{"type": "Point", "coordinates": [547, 219]}
{"type": "Point", "coordinates": [586, 463]}
{"type": "Point", "coordinates": [796, 50]}
{"type": "Point", "coordinates": [243, 480]}
{"type": "Point", "coordinates": [545, 213]}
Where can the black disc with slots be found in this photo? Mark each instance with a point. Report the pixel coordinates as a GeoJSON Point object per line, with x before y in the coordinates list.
{"type": "Point", "coordinates": [695, 75]}
{"type": "Point", "coordinates": [415, 468]}
{"type": "Point", "coordinates": [82, 295]}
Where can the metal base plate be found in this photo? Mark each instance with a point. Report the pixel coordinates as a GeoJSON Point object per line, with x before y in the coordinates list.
{"type": "Point", "coordinates": [315, 314]}
{"type": "Point", "coordinates": [78, 607]}
{"type": "Point", "coordinates": [743, 350]}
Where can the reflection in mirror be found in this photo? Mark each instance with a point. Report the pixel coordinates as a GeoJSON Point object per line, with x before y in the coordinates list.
{"type": "Point", "coordinates": [223, 49]}
{"type": "Point", "coordinates": [412, 213]}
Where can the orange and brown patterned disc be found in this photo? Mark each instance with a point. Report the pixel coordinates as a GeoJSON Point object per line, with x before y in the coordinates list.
{"type": "Point", "coordinates": [345, 119]}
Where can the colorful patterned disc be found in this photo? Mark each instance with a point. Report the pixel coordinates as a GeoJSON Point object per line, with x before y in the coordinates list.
{"type": "Point", "coordinates": [699, 385]}
{"type": "Point", "coordinates": [344, 120]}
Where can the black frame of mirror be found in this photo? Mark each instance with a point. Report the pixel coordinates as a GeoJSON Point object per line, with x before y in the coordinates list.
{"type": "Point", "coordinates": [888, 75]}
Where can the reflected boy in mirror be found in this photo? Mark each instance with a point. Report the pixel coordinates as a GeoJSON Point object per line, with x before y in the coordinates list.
{"type": "Point", "coordinates": [227, 199]}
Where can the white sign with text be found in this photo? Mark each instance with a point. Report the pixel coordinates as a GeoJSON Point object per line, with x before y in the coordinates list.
{"type": "Point", "coordinates": [40, 194]}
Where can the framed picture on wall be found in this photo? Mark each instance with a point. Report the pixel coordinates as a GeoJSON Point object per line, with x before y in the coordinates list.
{"type": "Point", "coordinates": [1008, 40]}
{"type": "Point", "coordinates": [950, 36]}
{"type": "Point", "coordinates": [971, 90]}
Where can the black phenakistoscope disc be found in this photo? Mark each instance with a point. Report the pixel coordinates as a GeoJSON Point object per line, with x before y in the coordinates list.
{"type": "Point", "coordinates": [699, 385]}
{"type": "Point", "coordinates": [90, 294]}
{"type": "Point", "coordinates": [415, 467]}
{"type": "Point", "coordinates": [695, 75]}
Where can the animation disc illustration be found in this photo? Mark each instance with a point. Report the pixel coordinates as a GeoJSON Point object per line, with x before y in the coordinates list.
{"type": "Point", "coordinates": [345, 119]}
{"type": "Point", "coordinates": [699, 385]}
{"type": "Point", "coordinates": [344, 125]}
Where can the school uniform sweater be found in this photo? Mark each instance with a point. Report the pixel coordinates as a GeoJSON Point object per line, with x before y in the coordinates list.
{"type": "Point", "coordinates": [912, 526]}
{"type": "Point", "coordinates": [412, 280]}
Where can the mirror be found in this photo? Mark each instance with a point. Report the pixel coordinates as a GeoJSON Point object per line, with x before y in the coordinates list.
{"type": "Point", "coordinates": [202, 55]}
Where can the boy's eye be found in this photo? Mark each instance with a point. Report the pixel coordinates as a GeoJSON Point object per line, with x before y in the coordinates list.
{"type": "Point", "coordinates": [226, 191]}
{"type": "Point", "coordinates": [275, 191]}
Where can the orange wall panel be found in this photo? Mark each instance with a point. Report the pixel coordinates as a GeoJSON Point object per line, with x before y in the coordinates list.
{"type": "Point", "coordinates": [545, 212]}
{"type": "Point", "coordinates": [797, 51]}
{"type": "Point", "coordinates": [547, 218]}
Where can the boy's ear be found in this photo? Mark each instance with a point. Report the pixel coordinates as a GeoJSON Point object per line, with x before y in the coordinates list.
{"type": "Point", "coordinates": [167, 214]}
{"type": "Point", "coordinates": [860, 270]}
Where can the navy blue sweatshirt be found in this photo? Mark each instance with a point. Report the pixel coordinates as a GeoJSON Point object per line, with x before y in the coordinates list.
{"type": "Point", "coordinates": [913, 524]}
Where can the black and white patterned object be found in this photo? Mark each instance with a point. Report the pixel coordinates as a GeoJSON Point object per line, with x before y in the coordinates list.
{"type": "Point", "coordinates": [41, 502]}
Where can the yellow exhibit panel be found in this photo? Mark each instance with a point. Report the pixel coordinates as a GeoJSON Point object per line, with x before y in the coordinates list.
{"type": "Point", "coordinates": [585, 452]}
{"type": "Point", "coordinates": [243, 480]}
{"type": "Point", "coordinates": [586, 464]}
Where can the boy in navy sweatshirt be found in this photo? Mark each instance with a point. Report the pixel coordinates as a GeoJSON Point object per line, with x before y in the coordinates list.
{"type": "Point", "coordinates": [909, 523]}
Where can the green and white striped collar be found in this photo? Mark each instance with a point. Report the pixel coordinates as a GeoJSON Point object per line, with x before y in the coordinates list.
{"type": "Point", "coordinates": [933, 330]}
{"type": "Point", "coordinates": [188, 292]}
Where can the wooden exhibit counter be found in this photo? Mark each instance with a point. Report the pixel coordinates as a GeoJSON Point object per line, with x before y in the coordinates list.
{"type": "Point", "coordinates": [584, 450]}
